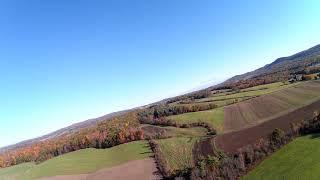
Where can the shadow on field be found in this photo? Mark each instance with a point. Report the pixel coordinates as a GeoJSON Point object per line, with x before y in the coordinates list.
{"type": "Point", "coordinates": [149, 151]}
{"type": "Point", "coordinates": [315, 136]}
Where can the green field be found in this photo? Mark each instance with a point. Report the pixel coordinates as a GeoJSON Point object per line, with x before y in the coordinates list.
{"type": "Point", "coordinates": [187, 132]}
{"type": "Point", "coordinates": [79, 162]}
{"type": "Point", "coordinates": [213, 117]}
{"type": "Point", "coordinates": [249, 92]}
{"type": "Point", "coordinates": [298, 160]}
{"type": "Point", "coordinates": [177, 152]}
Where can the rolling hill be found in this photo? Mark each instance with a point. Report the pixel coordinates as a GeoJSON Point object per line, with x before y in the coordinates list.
{"type": "Point", "coordinates": [219, 121]}
{"type": "Point", "coordinates": [280, 69]}
{"type": "Point", "coordinates": [64, 131]}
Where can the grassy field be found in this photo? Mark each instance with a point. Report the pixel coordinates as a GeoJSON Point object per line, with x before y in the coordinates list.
{"type": "Point", "coordinates": [249, 92]}
{"type": "Point", "coordinates": [298, 160]}
{"type": "Point", "coordinates": [79, 162]}
{"type": "Point", "coordinates": [214, 117]}
{"type": "Point", "coordinates": [177, 152]}
{"type": "Point", "coordinates": [187, 132]}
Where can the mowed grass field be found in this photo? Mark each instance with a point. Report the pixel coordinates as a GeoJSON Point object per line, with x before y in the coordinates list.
{"type": "Point", "coordinates": [297, 160]}
{"type": "Point", "coordinates": [187, 132]}
{"type": "Point", "coordinates": [213, 117]}
{"type": "Point", "coordinates": [249, 92]}
{"type": "Point", "coordinates": [79, 162]}
{"type": "Point", "coordinates": [263, 108]}
{"type": "Point", "coordinates": [177, 152]}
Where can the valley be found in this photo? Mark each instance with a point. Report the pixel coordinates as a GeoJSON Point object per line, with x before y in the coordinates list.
{"type": "Point", "coordinates": [237, 129]}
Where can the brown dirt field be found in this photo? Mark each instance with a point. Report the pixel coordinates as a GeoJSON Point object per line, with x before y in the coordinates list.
{"type": "Point", "coordinates": [258, 110]}
{"type": "Point", "coordinates": [135, 170]}
{"type": "Point", "coordinates": [231, 142]}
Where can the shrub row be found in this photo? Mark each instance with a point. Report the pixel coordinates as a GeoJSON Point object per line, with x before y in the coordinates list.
{"type": "Point", "coordinates": [246, 158]}
{"type": "Point", "coordinates": [148, 115]}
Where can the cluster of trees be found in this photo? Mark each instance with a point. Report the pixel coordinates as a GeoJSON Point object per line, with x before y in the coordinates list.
{"type": "Point", "coordinates": [239, 163]}
{"type": "Point", "coordinates": [260, 80]}
{"type": "Point", "coordinates": [105, 134]}
{"type": "Point", "coordinates": [191, 96]}
{"type": "Point", "coordinates": [149, 115]}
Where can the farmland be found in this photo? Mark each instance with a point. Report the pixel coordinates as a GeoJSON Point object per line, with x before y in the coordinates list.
{"type": "Point", "coordinates": [264, 108]}
{"type": "Point", "coordinates": [213, 117]}
{"type": "Point", "coordinates": [230, 142]}
{"type": "Point", "coordinates": [79, 162]}
{"type": "Point", "coordinates": [240, 118]}
{"type": "Point", "coordinates": [285, 103]}
{"type": "Point", "coordinates": [224, 100]}
{"type": "Point", "coordinates": [297, 160]}
{"type": "Point", "coordinates": [177, 152]}
{"type": "Point", "coordinates": [169, 131]}
{"type": "Point", "coordinates": [248, 92]}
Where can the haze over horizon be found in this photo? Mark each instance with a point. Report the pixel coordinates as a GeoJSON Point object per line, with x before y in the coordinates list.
{"type": "Point", "coordinates": [65, 62]}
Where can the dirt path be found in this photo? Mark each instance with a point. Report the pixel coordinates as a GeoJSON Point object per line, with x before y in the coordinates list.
{"type": "Point", "coordinates": [136, 170]}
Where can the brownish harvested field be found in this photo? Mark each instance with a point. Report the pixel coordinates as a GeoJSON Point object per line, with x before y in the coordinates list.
{"type": "Point", "coordinates": [231, 142]}
{"type": "Point", "coordinates": [136, 170]}
{"type": "Point", "coordinates": [255, 111]}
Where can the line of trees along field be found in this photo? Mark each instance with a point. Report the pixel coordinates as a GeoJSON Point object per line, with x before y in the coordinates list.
{"type": "Point", "coordinates": [106, 134]}
{"type": "Point", "coordinates": [156, 113]}
{"type": "Point", "coordinates": [233, 166]}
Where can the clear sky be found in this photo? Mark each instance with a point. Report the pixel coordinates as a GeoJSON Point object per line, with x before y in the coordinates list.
{"type": "Point", "coordinates": [64, 61]}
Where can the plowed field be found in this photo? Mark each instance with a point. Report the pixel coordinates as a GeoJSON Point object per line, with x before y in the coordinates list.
{"type": "Point", "coordinates": [261, 109]}
{"type": "Point", "coordinates": [231, 142]}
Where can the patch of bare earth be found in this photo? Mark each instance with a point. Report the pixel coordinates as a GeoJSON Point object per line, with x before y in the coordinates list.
{"type": "Point", "coordinates": [232, 141]}
{"type": "Point", "coordinates": [267, 107]}
{"type": "Point", "coordinates": [136, 170]}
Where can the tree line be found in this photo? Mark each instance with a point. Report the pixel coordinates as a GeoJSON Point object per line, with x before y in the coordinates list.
{"type": "Point", "coordinates": [159, 112]}
{"type": "Point", "coordinates": [235, 165]}
{"type": "Point", "coordinates": [105, 134]}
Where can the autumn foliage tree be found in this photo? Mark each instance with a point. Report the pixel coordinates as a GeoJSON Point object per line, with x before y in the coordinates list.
{"type": "Point", "coordinates": [105, 134]}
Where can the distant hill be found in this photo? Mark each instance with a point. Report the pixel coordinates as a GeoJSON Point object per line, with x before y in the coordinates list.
{"type": "Point", "coordinates": [67, 130]}
{"type": "Point", "coordinates": [279, 70]}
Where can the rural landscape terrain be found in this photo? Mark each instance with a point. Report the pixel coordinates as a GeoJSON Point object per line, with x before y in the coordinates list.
{"type": "Point", "coordinates": [264, 124]}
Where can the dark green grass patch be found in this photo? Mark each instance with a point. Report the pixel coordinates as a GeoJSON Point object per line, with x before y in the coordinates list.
{"type": "Point", "coordinates": [299, 159]}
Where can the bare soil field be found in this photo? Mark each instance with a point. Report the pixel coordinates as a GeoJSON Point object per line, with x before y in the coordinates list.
{"type": "Point", "coordinates": [255, 111]}
{"type": "Point", "coordinates": [232, 141]}
{"type": "Point", "coordinates": [137, 170]}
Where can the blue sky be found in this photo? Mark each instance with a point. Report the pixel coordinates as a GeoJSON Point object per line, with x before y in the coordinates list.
{"type": "Point", "coordinates": [62, 62]}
